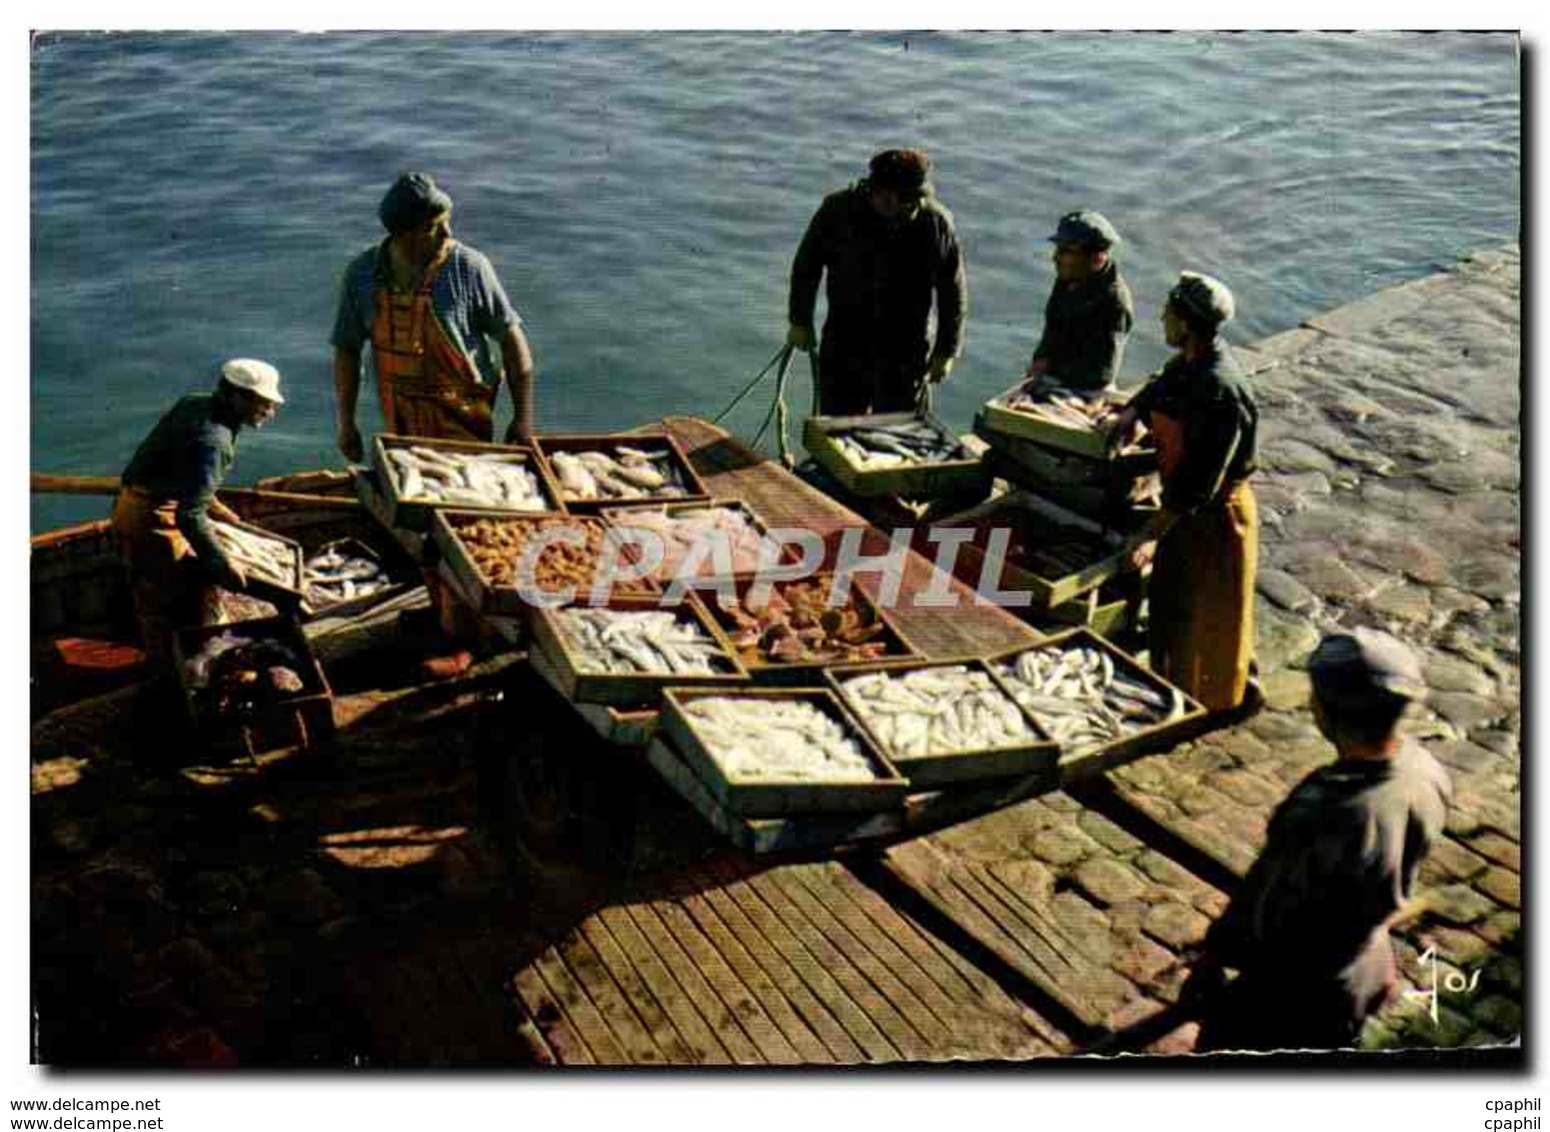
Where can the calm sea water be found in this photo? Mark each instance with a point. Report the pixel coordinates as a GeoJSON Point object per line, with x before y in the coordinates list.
{"type": "Point", "coordinates": [195, 196]}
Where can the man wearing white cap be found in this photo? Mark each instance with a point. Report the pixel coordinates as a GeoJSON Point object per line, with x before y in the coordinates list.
{"type": "Point", "coordinates": [162, 514]}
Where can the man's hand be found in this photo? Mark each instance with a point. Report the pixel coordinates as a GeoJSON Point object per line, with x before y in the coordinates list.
{"type": "Point", "coordinates": [1141, 550]}
{"type": "Point", "coordinates": [236, 578]}
{"type": "Point", "coordinates": [801, 338]}
{"type": "Point", "coordinates": [1120, 430]}
{"type": "Point", "coordinates": [350, 442]}
{"type": "Point", "coordinates": [1037, 368]}
{"type": "Point", "coordinates": [938, 369]}
{"type": "Point", "coordinates": [518, 435]}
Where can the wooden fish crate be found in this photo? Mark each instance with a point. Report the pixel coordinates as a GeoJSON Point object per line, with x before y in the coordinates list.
{"type": "Point", "coordinates": [284, 596]}
{"type": "Point", "coordinates": [1093, 757]}
{"type": "Point", "coordinates": [298, 720]}
{"type": "Point", "coordinates": [635, 689]}
{"type": "Point", "coordinates": [1038, 755]}
{"type": "Point", "coordinates": [1099, 488]}
{"type": "Point", "coordinates": [400, 580]}
{"type": "Point", "coordinates": [913, 480]}
{"type": "Point", "coordinates": [415, 514]}
{"type": "Point", "coordinates": [995, 420]}
{"type": "Point", "coordinates": [695, 490]}
{"type": "Point", "coordinates": [1025, 509]}
{"type": "Point", "coordinates": [619, 515]}
{"type": "Point", "coordinates": [487, 597]}
{"type": "Point", "coordinates": [807, 673]}
{"type": "Point", "coordinates": [765, 797]}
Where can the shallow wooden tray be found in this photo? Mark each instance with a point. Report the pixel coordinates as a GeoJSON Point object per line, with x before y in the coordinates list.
{"type": "Point", "coordinates": [487, 597]}
{"type": "Point", "coordinates": [995, 420]}
{"type": "Point", "coordinates": [694, 487]}
{"type": "Point", "coordinates": [581, 685]}
{"type": "Point", "coordinates": [400, 581]}
{"type": "Point", "coordinates": [619, 514]}
{"type": "Point", "coordinates": [298, 720]}
{"type": "Point", "coordinates": [289, 597]}
{"type": "Point", "coordinates": [764, 797]}
{"type": "Point", "coordinates": [415, 514]}
{"type": "Point", "coordinates": [1093, 757]}
{"type": "Point", "coordinates": [915, 480]}
{"type": "Point", "coordinates": [1034, 756]}
{"type": "Point", "coordinates": [1045, 592]}
{"type": "Point", "coordinates": [808, 673]}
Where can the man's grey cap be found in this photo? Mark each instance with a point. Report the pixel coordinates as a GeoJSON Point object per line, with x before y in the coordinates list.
{"type": "Point", "coordinates": [1349, 665]}
{"type": "Point", "coordinates": [1208, 298]}
{"type": "Point", "coordinates": [1088, 228]}
{"type": "Point", "coordinates": [412, 201]}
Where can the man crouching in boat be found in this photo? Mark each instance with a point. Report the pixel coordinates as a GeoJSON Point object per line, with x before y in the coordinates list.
{"type": "Point", "coordinates": [162, 514]}
{"type": "Point", "coordinates": [428, 304]}
{"type": "Point", "coordinates": [888, 247]}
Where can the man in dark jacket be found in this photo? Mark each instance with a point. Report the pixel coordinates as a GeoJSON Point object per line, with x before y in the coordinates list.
{"type": "Point", "coordinates": [1089, 312]}
{"type": "Point", "coordinates": [889, 248]}
{"type": "Point", "coordinates": [162, 514]}
{"type": "Point", "coordinates": [1308, 928]}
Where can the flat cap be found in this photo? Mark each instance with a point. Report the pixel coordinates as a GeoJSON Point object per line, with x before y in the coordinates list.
{"type": "Point", "coordinates": [413, 201]}
{"type": "Point", "coordinates": [1087, 228]}
{"type": "Point", "coordinates": [904, 170]}
{"type": "Point", "coordinates": [1350, 665]}
{"type": "Point", "coordinates": [1208, 298]}
{"type": "Point", "coordinates": [254, 376]}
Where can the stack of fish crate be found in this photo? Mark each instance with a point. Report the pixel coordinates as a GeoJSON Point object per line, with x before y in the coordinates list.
{"type": "Point", "coordinates": [1056, 442]}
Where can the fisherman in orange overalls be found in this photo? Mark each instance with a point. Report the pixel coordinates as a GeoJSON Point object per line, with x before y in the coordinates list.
{"type": "Point", "coordinates": [162, 514]}
{"type": "Point", "coordinates": [429, 306]}
{"type": "Point", "coordinates": [1206, 548]}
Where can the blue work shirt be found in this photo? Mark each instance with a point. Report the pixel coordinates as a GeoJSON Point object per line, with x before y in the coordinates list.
{"type": "Point", "coordinates": [468, 299]}
{"type": "Point", "coordinates": [185, 458]}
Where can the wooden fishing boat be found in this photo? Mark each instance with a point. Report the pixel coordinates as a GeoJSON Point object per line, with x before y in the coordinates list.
{"type": "Point", "coordinates": [559, 802]}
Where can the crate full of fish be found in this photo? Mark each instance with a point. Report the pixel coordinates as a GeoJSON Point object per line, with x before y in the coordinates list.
{"type": "Point", "coordinates": [346, 576]}
{"type": "Point", "coordinates": [257, 682]}
{"type": "Point", "coordinates": [595, 471]}
{"type": "Point", "coordinates": [271, 562]}
{"type": "Point", "coordinates": [500, 561]}
{"type": "Point", "coordinates": [789, 632]}
{"type": "Point", "coordinates": [721, 538]}
{"type": "Point", "coordinates": [1098, 702]}
{"type": "Point", "coordinates": [946, 723]}
{"type": "Point", "coordinates": [1047, 552]}
{"type": "Point", "coordinates": [419, 476]}
{"type": "Point", "coordinates": [911, 454]}
{"type": "Point", "coordinates": [1101, 488]}
{"type": "Point", "coordinates": [1043, 410]}
{"type": "Point", "coordinates": [768, 753]}
{"type": "Point", "coordinates": [625, 652]}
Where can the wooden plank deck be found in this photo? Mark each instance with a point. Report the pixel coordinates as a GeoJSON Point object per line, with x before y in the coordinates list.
{"type": "Point", "coordinates": [796, 965]}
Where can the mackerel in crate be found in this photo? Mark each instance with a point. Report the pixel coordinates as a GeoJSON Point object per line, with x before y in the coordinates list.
{"type": "Point", "coordinates": [946, 722]}
{"type": "Point", "coordinates": [909, 454]}
{"type": "Point", "coordinates": [1098, 701]}
{"type": "Point", "coordinates": [253, 684]}
{"type": "Point", "coordinates": [1050, 414]}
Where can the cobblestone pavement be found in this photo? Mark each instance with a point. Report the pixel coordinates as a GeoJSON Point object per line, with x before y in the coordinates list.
{"type": "Point", "coordinates": [1389, 496]}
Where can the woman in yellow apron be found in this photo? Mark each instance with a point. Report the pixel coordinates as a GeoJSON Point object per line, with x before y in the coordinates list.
{"type": "Point", "coordinates": [1205, 422]}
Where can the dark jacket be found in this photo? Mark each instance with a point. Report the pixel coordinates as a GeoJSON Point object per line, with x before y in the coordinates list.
{"type": "Point", "coordinates": [1307, 926]}
{"type": "Point", "coordinates": [1085, 329]}
{"type": "Point", "coordinates": [881, 278]}
{"type": "Point", "coordinates": [1221, 425]}
{"type": "Point", "coordinates": [184, 459]}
